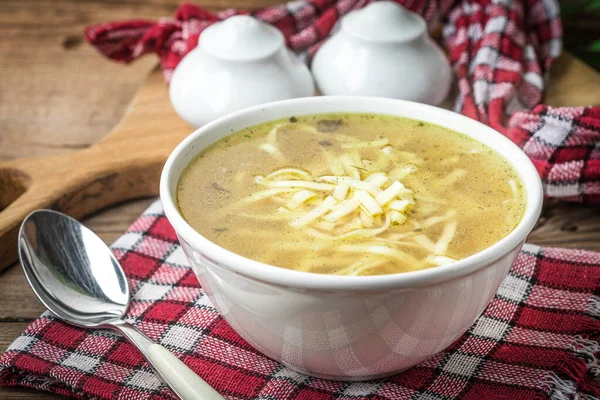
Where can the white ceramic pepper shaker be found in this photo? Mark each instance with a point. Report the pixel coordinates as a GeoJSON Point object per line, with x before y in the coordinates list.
{"type": "Point", "coordinates": [383, 50]}
{"type": "Point", "coordinates": [238, 63]}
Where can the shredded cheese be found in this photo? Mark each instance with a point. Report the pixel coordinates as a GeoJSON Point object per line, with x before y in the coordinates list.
{"type": "Point", "coordinates": [367, 220]}
{"type": "Point", "coordinates": [373, 248]}
{"type": "Point", "coordinates": [352, 203]}
{"type": "Point", "coordinates": [352, 226]}
{"type": "Point", "coordinates": [399, 205]}
{"type": "Point", "coordinates": [335, 166]}
{"type": "Point", "coordinates": [265, 194]}
{"type": "Point", "coordinates": [352, 182]}
{"type": "Point", "coordinates": [370, 232]}
{"type": "Point", "coordinates": [397, 218]}
{"type": "Point", "coordinates": [403, 171]}
{"type": "Point", "coordinates": [377, 249]}
{"type": "Point", "coordinates": [368, 203]}
{"type": "Point", "coordinates": [340, 191]}
{"type": "Point", "coordinates": [359, 269]}
{"type": "Point", "coordinates": [272, 135]}
{"type": "Point", "coordinates": [388, 150]}
{"type": "Point", "coordinates": [436, 220]}
{"type": "Point", "coordinates": [447, 235]}
{"type": "Point", "coordinates": [289, 172]}
{"type": "Point", "coordinates": [357, 200]}
{"type": "Point", "coordinates": [344, 209]}
{"type": "Point", "coordinates": [388, 194]}
{"type": "Point", "coordinates": [425, 242]}
{"type": "Point", "coordinates": [377, 179]}
{"type": "Point", "coordinates": [315, 213]}
{"type": "Point", "coordinates": [326, 226]}
{"type": "Point", "coordinates": [269, 148]}
{"type": "Point", "coordinates": [273, 151]}
{"type": "Point", "coordinates": [300, 197]}
{"type": "Point", "coordinates": [352, 163]}
{"type": "Point", "coordinates": [344, 206]}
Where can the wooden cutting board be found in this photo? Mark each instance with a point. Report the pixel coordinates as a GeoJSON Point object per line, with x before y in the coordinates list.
{"type": "Point", "coordinates": [126, 164]}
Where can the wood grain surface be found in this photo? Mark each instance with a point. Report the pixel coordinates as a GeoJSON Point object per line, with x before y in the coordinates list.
{"type": "Point", "coordinates": [58, 95]}
{"type": "Point", "coordinates": [124, 165]}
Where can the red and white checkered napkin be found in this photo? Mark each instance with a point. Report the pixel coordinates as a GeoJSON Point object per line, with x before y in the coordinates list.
{"type": "Point", "coordinates": [537, 339]}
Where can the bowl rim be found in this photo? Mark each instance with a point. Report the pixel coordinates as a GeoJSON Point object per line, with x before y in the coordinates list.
{"type": "Point", "coordinates": [307, 280]}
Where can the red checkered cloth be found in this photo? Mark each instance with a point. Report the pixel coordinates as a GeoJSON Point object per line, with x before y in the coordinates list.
{"type": "Point", "coordinates": [501, 52]}
{"type": "Point", "coordinates": [537, 339]}
{"type": "Point", "coordinates": [564, 145]}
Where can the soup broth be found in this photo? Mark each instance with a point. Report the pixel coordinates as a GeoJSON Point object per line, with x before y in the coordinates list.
{"type": "Point", "coordinates": [351, 194]}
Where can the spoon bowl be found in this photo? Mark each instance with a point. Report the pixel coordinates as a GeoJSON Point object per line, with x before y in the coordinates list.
{"type": "Point", "coordinates": [84, 288]}
{"type": "Point", "coordinates": [76, 276]}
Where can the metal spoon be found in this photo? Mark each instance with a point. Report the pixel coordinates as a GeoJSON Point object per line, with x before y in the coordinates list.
{"type": "Point", "coordinates": [78, 279]}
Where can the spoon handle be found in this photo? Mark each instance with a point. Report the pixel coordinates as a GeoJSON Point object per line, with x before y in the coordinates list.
{"type": "Point", "coordinates": [178, 376]}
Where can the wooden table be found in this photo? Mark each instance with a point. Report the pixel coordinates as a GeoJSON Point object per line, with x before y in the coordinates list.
{"type": "Point", "coordinates": [58, 94]}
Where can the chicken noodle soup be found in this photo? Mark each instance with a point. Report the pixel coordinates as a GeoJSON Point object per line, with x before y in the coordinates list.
{"type": "Point", "coordinates": [351, 194]}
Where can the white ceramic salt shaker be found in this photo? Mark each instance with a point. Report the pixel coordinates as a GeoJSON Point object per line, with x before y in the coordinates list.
{"type": "Point", "coordinates": [238, 63]}
{"type": "Point", "coordinates": [383, 50]}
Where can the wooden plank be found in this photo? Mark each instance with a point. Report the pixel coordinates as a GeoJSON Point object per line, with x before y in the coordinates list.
{"type": "Point", "coordinates": [30, 394]}
{"type": "Point", "coordinates": [124, 165]}
{"type": "Point", "coordinates": [572, 83]}
{"type": "Point", "coordinates": [568, 225]}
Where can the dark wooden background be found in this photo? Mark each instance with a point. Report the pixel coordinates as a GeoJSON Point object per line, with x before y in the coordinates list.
{"type": "Point", "coordinates": [58, 94]}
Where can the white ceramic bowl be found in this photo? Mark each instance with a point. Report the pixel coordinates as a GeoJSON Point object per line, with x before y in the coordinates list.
{"type": "Point", "coordinates": [340, 327]}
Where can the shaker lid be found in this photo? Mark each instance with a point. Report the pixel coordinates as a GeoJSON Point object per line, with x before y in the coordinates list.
{"type": "Point", "coordinates": [384, 21]}
{"type": "Point", "coordinates": [241, 38]}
